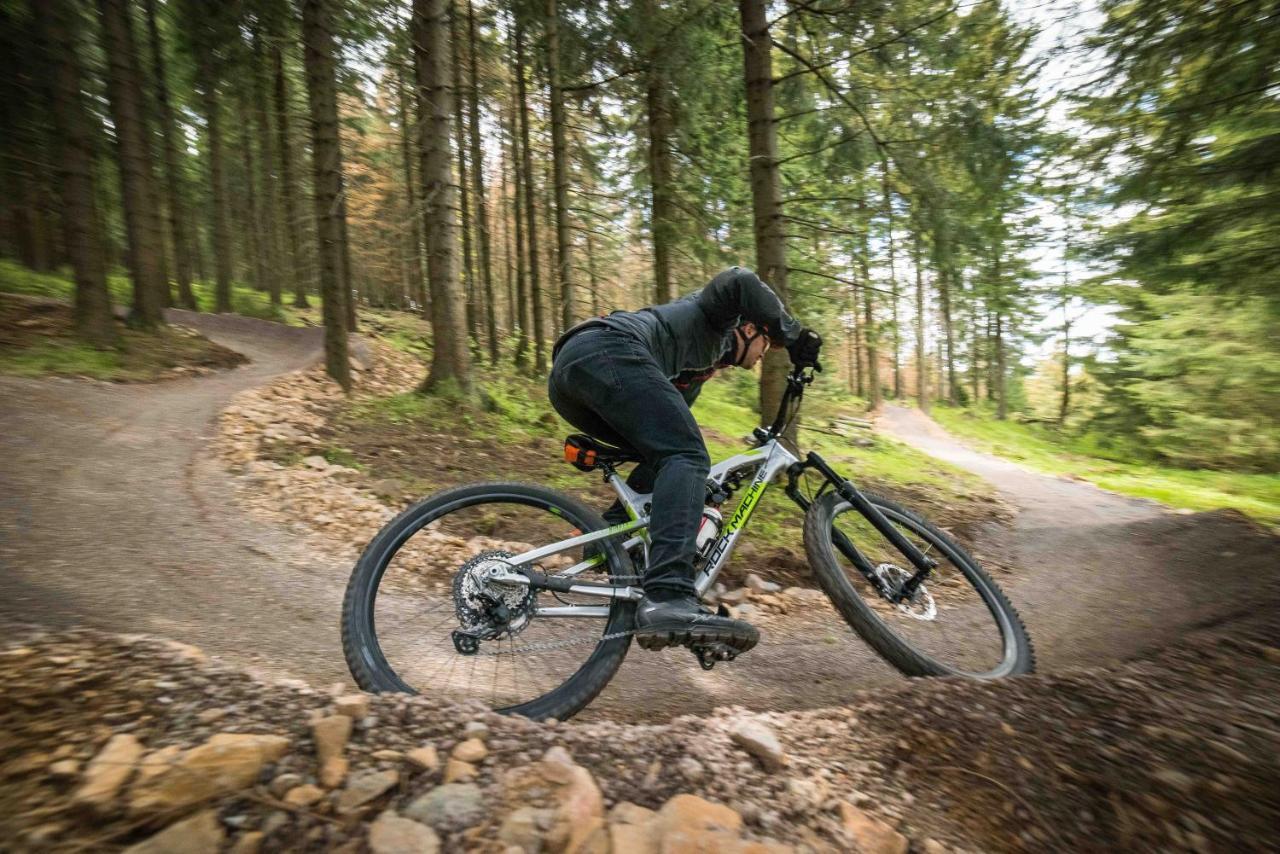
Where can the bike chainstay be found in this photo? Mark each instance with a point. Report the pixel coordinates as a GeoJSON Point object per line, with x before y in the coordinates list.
{"type": "Point", "coordinates": [548, 646]}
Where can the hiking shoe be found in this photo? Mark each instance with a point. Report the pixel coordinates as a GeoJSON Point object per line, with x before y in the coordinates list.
{"type": "Point", "coordinates": [682, 622]}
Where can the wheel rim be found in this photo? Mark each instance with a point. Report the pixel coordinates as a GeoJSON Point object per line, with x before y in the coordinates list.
{"type": "Point", "coordinates": [956, 622]}
{"type": "Point", "coordinates": [412, 610]}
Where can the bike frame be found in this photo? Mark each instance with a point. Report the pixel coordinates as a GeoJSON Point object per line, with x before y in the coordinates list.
{"type": "Point", "coordinates": [769, 458]}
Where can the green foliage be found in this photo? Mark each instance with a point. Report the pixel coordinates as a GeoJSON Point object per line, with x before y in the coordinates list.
{"type": "Point", "coordinates": [1198, 379]}
{"type": "Point", "coordinates": [1113, 468]}
{"type": "Point", "coordinates": [17, 279]}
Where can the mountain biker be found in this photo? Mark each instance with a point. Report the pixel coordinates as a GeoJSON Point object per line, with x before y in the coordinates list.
{"type": "Point", "coordinates": [629, 378]}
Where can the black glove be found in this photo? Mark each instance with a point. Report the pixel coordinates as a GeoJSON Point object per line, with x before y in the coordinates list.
{"type": "Point", "coordinates": [804, 350]}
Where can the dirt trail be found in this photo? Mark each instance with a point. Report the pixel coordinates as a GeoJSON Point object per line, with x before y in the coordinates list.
{"type": "Point", "coordinates": [113, 515]}
{"type": "Point", "coordinates": [1104, 576]}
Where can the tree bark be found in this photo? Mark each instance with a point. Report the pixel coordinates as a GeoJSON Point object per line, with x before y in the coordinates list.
{"type": "Point", "coordinates": [521, 307]}
{"type": "Point", "coordinates": [944, 300]}
{"type": "Point", "coordinates": [893, 285]}
{"type": "Point", "coordinates": [141, 213]}
{"type": "Point", "coordinates": [1002, 396]}
{"type": "Point", "coordinates": [73, 141]}
{"type": "Point", "coordinates": [662, 212]}
{"type": "Point", "coordinates": [417, 284]}
{"type": "Point", "coordinates": [267, 159]}
{"type": "Point", "coordinates": [178, 216]}
{"type": "Point", "coordinates": [450, 359]}
{"type": "Point", "coordinates": [252, 211]}
{"type": "Point", "coordinates": [288, 179]}
{"type": "Point", "coordinates": [922, 368]}
{"type": "Point", "coordinates": [478, 188]}
{"type": "Point", "coordinates": [560, 167]}
{"type": "Point", "coordinates": [870, 330]}
{"type": "Point", "coordinates": [317, 40]}
{"type": "Point", "coordinates": [766, 185]}
{"type": "Point", "coordinates": [464, 186]}
{"type": "Point", "coordinates": [531, 210]}
{"type": "Point", "coordinates": [207, 77]}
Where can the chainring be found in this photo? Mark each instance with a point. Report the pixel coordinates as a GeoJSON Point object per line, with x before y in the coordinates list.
{"type": "Point", "coordinates": [487, 609]}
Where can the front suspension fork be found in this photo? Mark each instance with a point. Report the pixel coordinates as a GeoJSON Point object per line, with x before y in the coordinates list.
{"type": "Point", "coordinates": [846, 490]}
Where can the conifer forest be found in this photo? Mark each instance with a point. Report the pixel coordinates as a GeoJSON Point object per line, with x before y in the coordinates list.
{"type": "Point", "coordinates": [1057, 213]}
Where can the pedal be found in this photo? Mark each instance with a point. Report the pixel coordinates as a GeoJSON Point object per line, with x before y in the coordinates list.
{"type": "Point", "coordinates": [711, 654]}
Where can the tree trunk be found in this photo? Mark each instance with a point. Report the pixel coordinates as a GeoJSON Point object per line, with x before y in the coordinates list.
{"type": "Point", "coordinates": [288, 181]}
{"type": "Point", "coordinates": [531, 209]}
{"type": "Point", "coordinates": [267, 159]}
{"type": "Point", "coordinates": [893, 286]}
{"type": "Point", "coordinates": [517, 178]}
{"type": "Point", "coordinates": [922, 367]}
{"type": "Point", "coordinates": [317, 40]}
{"type": "Point", "coordinates": [944, 300]}
{"type": "Point", "coordinates": [73, 141]}
{"type": "Point", "coordinates": [141, 213]}
{"type": "Point", "coordinates": [766, 185]}
{"type": "Point", "coordinates": [178, 216]}
{"type": "Point", "coordinates": [870, 330]}
{"type": "Point", "coordinates": [252, 211]}
{"type": "Point", "coordinates": [560, 165]}
{"type": "Point", "coordinates": [417, 284]}
{"type": "Point", "coordinates": [1002, 396]}
{"type": "Point", "coordinates": [478, 185]}
{"type": "Point", "coordinates": [1065, 407]}
{"type": "Point", "coordinates": [351, 287]}
{"type": "Point", "coordinates": [662, 214]}
{"type": "Point", "coordinates": [450, 359]}
{"type": "Point", "coordinates": [464, 187]}
{"type": "Point", "coordinates": [592, 276]}
{"type": "Point", "coordinates": [207, 77]}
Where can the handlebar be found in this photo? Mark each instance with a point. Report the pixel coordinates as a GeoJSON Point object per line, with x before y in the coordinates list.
{"type": "Point", "coordinates": [799, 377]}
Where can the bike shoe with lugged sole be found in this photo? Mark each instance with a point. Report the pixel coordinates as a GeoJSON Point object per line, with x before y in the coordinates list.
{"type": "Point", "coordinates": [682, 622]}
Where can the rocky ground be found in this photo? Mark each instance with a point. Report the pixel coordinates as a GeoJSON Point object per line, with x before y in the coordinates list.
{"type": "Point", "coordinates": [132, 743]}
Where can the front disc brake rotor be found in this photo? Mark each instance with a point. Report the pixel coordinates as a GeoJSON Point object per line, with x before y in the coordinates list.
{"type": "Point", "coordinates": [920, 606]}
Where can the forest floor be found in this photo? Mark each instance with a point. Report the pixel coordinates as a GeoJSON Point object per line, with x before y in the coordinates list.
{"type": "Point", "coordinates": [119, 515]}
{"type": "Point", "coordinates": [37, 338]}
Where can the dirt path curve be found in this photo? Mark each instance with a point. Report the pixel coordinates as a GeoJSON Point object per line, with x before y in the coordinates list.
{"type": "Point", "coordinates": [113, 516]}
{"type": "Point", "coordinates": [1102, 576]}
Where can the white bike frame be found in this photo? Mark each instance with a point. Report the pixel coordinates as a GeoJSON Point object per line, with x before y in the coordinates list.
{"type": "Point", "coordinates": [771, 458]}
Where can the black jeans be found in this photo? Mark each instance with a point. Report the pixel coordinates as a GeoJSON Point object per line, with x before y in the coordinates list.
{"type": "Point", "coordinates": [607, 384]}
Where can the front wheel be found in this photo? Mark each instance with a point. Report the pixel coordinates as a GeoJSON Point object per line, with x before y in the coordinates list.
{"type": "Point", "coordinates": [959, 622]}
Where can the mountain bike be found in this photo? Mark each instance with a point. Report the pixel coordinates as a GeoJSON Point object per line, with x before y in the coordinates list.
{"type": "Point", "coordinates": [523, 597]}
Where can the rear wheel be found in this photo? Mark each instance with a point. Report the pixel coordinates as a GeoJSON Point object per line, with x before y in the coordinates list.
{"type": "Point", "coordinates": [959, 623]}
{"type": "Point", "coordinates": [423, 577]}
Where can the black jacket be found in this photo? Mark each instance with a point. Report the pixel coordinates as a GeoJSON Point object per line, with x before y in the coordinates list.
{"type": "Point", "coordinates": [692, 335]}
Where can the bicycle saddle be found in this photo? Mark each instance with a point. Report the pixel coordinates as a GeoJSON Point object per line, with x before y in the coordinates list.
{"type": "Point", "coordinates": [586, 453]}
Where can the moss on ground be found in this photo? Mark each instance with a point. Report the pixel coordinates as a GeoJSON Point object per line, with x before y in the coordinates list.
{"type": "Point", "coordinates": [37, 339]}
{"type": "Point", "coordinates": [17, 279]}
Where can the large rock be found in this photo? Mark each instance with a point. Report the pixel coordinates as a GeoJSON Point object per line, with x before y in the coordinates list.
{"type": "Point", "coordinates": [200, 834]}
{"type": "Point", "coordinates": [393, 834]}
{"type": "Point", "coordinates": [453, 806]}
{"type": "Point", "coordinates": [425, 758]}
{"type": "Point", "coordinates": [760, 741]}
{"type": "Point", "coordinates": [227, 762]}
{"type": "Point", "coordinates": [109, 771]}
{"type": "Point", "coordinates": [354, 706]}
{"type": "Point", "coordinates": [472, 750]}
{"type": "Point", "coordinates": [569, 798]}
{"type": "Point", "coordinates": [331, 735]}
{"type": "Point", "coordinates": [759, 585]}
{"type": "Point", "coordinates": [870, 834]}
{"type": "Point", "coordinates": [363, 788]}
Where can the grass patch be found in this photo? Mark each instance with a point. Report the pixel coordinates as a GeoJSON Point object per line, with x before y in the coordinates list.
{"type": "Point", "coordinates": [1044, 449]}
{"type": "Point", "coordinates": [37, 338]}
{"type": "Point", "coordinates": [17, 279]}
